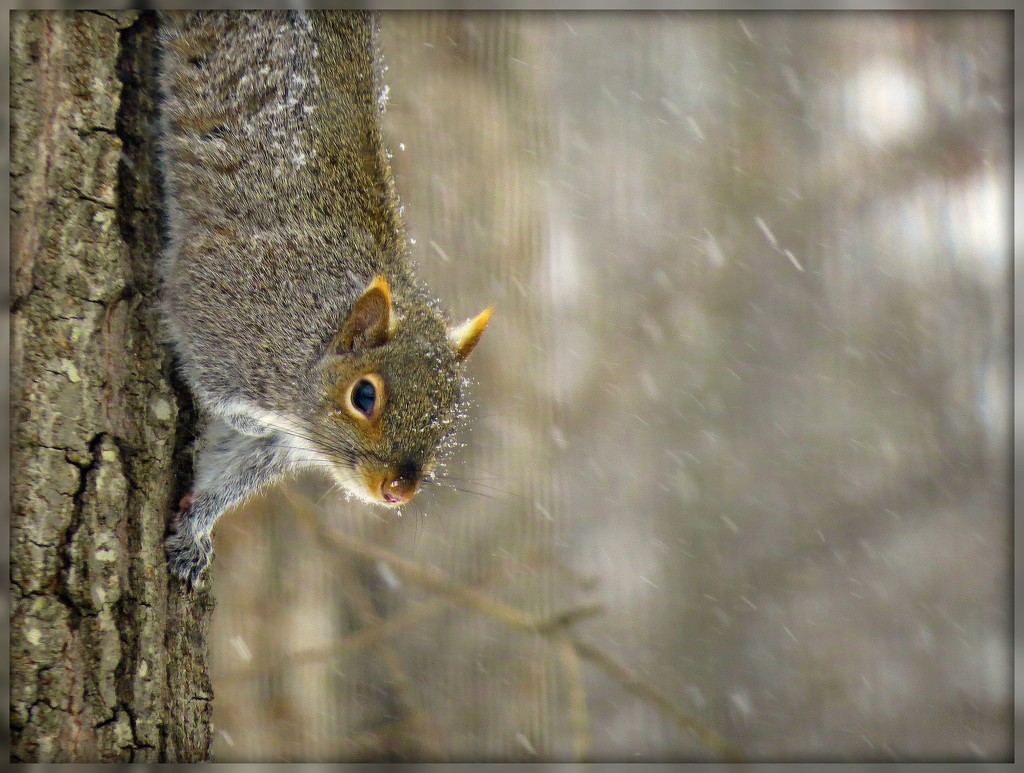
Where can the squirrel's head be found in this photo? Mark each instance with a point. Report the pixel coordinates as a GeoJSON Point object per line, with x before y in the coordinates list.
{"type": "Point", "coordinates": [392, 389]}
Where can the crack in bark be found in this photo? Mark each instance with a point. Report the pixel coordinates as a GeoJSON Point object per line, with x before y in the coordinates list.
{"type": "Point", "coordinates": [92, 200]}
{"type": "Point", "coordinates": [106, 16]}
{"type": "Point", "coordinates": [90, 131]}
{"type": "Point", "coordinates": [64, 592]}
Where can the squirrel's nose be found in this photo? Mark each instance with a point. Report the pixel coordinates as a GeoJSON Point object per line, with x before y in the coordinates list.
{"type": "Point", "coordinates": [398, 489]}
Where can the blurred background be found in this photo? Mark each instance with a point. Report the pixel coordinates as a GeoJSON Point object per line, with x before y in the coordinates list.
{"type": "Point", "coordinates": [736, 478]}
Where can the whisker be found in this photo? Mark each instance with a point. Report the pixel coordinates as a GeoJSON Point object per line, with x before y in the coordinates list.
{"type": "Point", "coordinates": [334, 488]}
{"type": "Point", "coordinates": [470, 481]}
{"type": "Point", "coordinates": [452, 487]}
{"type": "Point", "coordinates": [475, 493]}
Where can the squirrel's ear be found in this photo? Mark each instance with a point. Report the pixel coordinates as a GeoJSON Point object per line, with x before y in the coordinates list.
{"type": "Point", "coordinates": [371, 321]}
{"type": "Point", "coordinates": [466, 336]}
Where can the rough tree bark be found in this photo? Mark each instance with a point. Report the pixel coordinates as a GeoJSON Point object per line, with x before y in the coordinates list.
{"type": "Point", "coordinates": [108, 657]}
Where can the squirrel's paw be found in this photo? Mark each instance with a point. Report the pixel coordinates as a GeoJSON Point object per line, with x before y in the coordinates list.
{"type": "Point", "coordinates": [188, 554]}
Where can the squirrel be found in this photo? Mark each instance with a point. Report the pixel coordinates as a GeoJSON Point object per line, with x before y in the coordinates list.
{"type": "Point", "coordinates": [288, 291]}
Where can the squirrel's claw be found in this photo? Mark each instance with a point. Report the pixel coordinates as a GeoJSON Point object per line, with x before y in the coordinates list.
{"type": "Point", "coordinates": [187, 558]}
{"type": "Point", "coordinates": [188, 554]}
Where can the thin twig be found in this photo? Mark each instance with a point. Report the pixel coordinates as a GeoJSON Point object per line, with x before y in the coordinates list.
{"type": "Point", "coordinates": [642, 689]}
{"type": "Point", "coordinates": [578, 715]}
{"type": "Point", "coordinates": [440, 583]}
{"type": "Point", "coordinates": [352, 644]}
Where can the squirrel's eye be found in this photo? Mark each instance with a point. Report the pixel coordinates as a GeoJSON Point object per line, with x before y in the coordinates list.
{"type": "Point", "coordinates": [364, 397]}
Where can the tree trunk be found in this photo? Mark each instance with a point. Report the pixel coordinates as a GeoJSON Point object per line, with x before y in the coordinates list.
{"type": "Point", "coordinates": [108, 657]}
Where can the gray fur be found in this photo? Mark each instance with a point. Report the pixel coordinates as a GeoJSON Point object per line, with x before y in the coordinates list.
{"type": "Point", "coordinates": [282, 210]}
